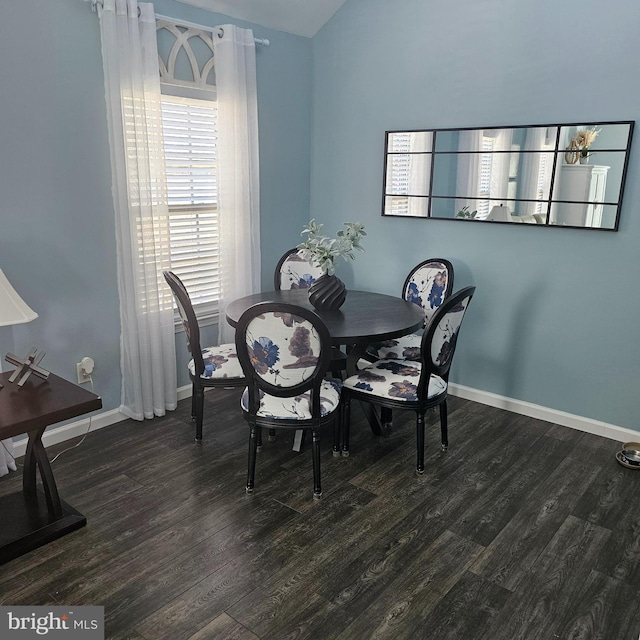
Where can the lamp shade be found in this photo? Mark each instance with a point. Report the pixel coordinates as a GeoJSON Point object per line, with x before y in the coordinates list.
{"type": "Point", "coordinates": [500, 213]}
{"type": "Point", "coordinates": [13, 309]}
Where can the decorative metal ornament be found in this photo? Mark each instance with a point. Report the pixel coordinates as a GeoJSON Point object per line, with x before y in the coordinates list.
{"type": "Point", "coordinates": [26, 366]}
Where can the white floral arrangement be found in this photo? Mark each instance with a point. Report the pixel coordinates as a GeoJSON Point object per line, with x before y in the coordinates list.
{"type": "Point", "coordinates": [583, 140]}
{"type": "Point", "coordinates": [323, 251]}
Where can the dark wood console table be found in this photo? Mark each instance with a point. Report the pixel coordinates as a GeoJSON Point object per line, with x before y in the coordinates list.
{"type": "Point", "coordinates": [34, 517]}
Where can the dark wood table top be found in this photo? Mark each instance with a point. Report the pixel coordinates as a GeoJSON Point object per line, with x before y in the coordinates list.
{"type": "Point", "coordinates": [40, 403]}
{"type": "Point", "coordinates": [364, 316]}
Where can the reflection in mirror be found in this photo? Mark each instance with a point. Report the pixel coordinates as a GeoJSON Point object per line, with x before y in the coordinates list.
{"type": "Point", "coordinates": [549, 175]}
{"type": "Point", "coordinates": [410, 141]}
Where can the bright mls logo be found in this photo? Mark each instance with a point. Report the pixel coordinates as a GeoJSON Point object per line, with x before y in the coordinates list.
{"type": "Point", "coordinates": [23, 623]}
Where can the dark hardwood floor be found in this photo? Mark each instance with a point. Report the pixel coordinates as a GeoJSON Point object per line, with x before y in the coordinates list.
{"type": "Point", "coordinates": [523, 529]}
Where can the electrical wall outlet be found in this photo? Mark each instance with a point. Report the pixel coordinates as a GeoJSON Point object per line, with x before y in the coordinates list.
{"type": "Point", "coordinates": [84, 369]}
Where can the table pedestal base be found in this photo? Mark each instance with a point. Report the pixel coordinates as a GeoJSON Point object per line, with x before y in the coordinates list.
{"type": "Point", "coordinates": [27, 526]}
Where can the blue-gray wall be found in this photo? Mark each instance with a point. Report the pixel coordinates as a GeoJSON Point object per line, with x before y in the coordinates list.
{"type": "Point", "coordinates": [57, 231]}
{"type": "Point", "coordinates": [549, 323]}
{"type": "Point", "coordinates": [555, 315]}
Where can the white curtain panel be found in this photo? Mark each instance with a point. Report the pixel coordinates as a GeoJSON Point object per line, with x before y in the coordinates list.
{"type": "Point", "coordinates": [468, 175]}
{"type": "Point", "coordinates": [469, 178]}
{"type": "Point", "coordinates": [500, 162]}
{"type": "Point", "coordinates": [132, 88]}
{"type": "Point", "coordinates": [239, 184]}
{"type": "Point", "coordinates": [536, 171]}
{"type": "Point", "coordinates": [7, 462]}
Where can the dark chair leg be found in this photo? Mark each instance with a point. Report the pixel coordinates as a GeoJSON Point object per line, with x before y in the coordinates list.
{"type": "Point", "coordinates": [272, 435]}
{"type": "Point", "coordinates": [420, 443]}
{"type": "Point", "coordinates": [444, 425]}
{"type": "Point", "coordinates": [193, 402]}
{"type": "Point", "coordinates": [386, 416]}
{"type": "Point", "coordinates": [315, 454]}
{"type": "Point", "coordinates": [259, 438]}
{"type": "Point", "coordinates": [199, 395]}
{"type": "Point", "coordinates": [345, 424]}
{"type": "Point", "coordinates": [251, 466]}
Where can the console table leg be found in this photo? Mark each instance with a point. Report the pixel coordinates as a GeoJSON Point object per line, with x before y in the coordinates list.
{"type": "Point", "coordinates": [29, 470]}
{"type": "Point", "coordinates": [36, 457]}
{"type": "Point", "coordinates": [48, 481]}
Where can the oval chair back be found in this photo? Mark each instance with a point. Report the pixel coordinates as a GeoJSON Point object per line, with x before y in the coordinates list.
{"type": "Point", "coordinates": [284, 351]}
{"type": "Point", "coordinates": [428, 285]}
{"type": "Point", "coordinates": [441, 336]}
{"type": "Point", "coordinates": [294, 272]}
{"type": "Point", "coordinates": [189, 319]}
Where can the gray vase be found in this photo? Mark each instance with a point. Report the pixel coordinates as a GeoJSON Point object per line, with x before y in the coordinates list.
{"type": "Point", "coordinates": [327, 293]}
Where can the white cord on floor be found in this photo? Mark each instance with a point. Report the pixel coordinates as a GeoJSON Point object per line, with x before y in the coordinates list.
{"type": "Point", "coordinates": [83, 437]}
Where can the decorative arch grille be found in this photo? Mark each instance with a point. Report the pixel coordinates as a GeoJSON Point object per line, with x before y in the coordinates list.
{"type": "Point", "coordinates": [185, 55]}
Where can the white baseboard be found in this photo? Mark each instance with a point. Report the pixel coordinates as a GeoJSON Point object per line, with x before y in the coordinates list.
{"type": "Point", "coordinates": [613, 432]}
{"type": "Point", "coordinates": [596, 427]}
{"type": "Point", "coordinates": [80, 427]}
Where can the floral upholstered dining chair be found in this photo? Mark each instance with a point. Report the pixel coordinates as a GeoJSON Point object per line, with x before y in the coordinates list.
{"type": "Point", "coordinates": [216, 366]}
{"type": "Point", "coordinates": [294, 272]}
{"type": "Point", "coordinates": [427, 285]}
{"type": "Point", "coordinates": [409, 384]}
{"type": "Point", "coordinates": [285, 352]}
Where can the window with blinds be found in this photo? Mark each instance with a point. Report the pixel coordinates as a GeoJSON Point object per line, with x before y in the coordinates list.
{"type": "Point", "coordinates": [398, 181]}
{"type": "Point", "coordinates": [190, 140]}
{"type": "Point", "coordinates": [400, 170]}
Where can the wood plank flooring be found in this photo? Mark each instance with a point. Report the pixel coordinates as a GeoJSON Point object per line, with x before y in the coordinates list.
{"type": "Point", "coordinates": [522, 530]}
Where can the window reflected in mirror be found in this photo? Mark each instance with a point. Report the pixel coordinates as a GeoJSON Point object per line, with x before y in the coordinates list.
{"type": "Point", "coordinates": [547, 175]}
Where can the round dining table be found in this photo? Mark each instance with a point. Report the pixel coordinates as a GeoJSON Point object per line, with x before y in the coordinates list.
{"type": "Point", "coordinates": [365, 317]}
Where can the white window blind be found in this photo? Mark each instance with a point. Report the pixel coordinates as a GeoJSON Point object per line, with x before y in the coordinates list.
{"type": "Point", "coordinates": [542, 186]}
{"type": "Point", "coordinates": [398, 174]}
{"type": "Point", "coordinates": [486, 170]}
{"type": "Point", "coordinates": [545, 167]}
{"type": "Point", "coordinates": [190, 140]}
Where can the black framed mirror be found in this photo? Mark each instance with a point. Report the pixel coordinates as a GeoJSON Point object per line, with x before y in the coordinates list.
{"type": "Point", "coordinates": [558, 175]}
